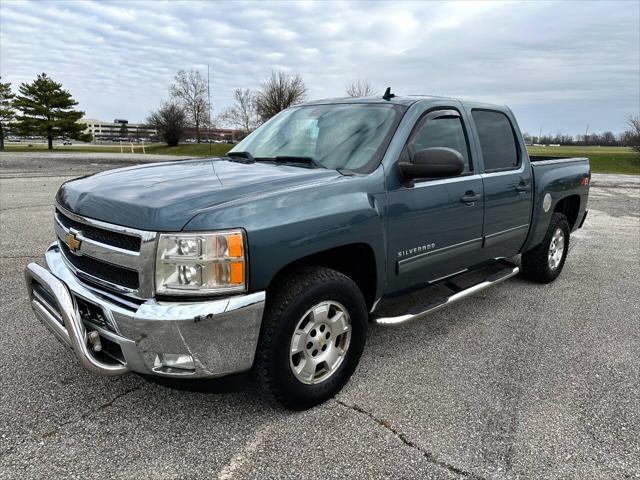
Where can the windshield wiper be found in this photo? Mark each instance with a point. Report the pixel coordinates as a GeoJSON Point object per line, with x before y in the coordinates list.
{"type": "Point", "coordinates": [246, 155]}
{"type": "Point", "coordinates": [294, 159]}
{"type": "Point", "coordinates": [278, 159]}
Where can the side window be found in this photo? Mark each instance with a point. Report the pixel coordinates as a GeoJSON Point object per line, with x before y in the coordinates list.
{"type": "Point", "coordinates": [497, 140]}
{"type": "Point", "coordinates": [446, 131]}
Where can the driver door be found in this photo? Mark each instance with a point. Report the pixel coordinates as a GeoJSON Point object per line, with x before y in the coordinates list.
{"type": "Point", "coordinates": [435, 225]}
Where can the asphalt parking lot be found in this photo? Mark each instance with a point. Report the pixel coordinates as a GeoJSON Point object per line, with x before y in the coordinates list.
{"type": "Point", "coordinates": [521, 380]}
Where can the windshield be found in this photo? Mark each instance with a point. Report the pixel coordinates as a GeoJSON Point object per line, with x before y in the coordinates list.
{"type": "Point", "coordinates": [340, 136]}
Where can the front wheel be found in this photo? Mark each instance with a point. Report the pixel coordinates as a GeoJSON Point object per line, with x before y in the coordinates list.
{"type": "Point", "coordinates": [544, 263]}
{"type": "Point", "coordinates": [312, 337]}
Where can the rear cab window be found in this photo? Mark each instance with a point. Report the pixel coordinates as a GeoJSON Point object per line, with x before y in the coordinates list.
{"type": "Point", "coordinates": [498, 143]}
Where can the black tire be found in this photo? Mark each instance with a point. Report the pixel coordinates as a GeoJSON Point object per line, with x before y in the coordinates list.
{"type": "Point", "coordinates": [535, 263]}
{"type": "Point", "coordinates": [287, 303]}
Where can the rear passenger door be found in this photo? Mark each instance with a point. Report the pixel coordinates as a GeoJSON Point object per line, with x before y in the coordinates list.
{"type": "Point", "coordinates": [507, 183]}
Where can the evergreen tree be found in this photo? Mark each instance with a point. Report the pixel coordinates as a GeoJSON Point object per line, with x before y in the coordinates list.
{"type": "Point", "coordinates": [6, 110]}
{"type": "Point", "coordinates": [47, 110]}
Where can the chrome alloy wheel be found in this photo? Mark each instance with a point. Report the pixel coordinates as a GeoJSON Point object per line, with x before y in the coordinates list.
{"type": "Point", "coordinates": [320, 342]}
{"type": "Point", "coordinates": [556, 249]}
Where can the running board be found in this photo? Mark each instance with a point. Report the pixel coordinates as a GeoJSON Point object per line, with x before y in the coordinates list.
{"type": "Point", "coordinates": [419, 311]}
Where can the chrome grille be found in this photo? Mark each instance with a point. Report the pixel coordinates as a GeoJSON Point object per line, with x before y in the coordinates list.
{"type": "Point", "coordinates": [105, 271]}
{"type": "Point", "coordinates": [108, 237]}
{"type": "Point", "coordinates": [117, 258]}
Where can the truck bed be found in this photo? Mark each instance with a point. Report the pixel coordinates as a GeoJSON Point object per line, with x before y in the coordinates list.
{"type": "Point", "coordinates": [560, 177]}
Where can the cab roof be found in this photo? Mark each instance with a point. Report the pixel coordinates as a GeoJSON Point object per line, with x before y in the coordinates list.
{"type": "Point", "coordinates": [406, 101]}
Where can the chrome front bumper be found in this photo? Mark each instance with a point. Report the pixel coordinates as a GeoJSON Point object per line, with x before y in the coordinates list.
{"type": "Point", "coordinates": [220, 335]}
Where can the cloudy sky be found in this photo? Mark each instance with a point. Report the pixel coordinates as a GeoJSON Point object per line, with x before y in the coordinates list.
{"type": "Point", "coordinates": [559, 65]}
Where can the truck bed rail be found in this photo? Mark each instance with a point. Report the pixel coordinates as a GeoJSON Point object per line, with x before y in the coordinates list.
{"type": "Point", "coordinates": [548, 160]}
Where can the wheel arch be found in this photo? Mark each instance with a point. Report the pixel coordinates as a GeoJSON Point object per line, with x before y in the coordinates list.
{"type": "Point", "coordinates": [569, 206]}
{"type": "Point", "coordinates": [357, 261]}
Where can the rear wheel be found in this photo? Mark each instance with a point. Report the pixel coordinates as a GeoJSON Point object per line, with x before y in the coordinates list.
{"type": "Point", "coordinates": [312, 337]}
{"type": "Point", "coordinates": [544, 263]}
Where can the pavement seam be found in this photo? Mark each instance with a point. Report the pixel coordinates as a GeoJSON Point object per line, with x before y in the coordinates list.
{"type": "Point", "coordinates": [429, 456]}
{"type": "Point", "coordinates": [87, 412]}
{"type": "Point", "coordinates": [12, 176]}
{"type": "Point", "coordinates": [240, 459]}
{"type": "Point", "coordinates": [22, 207]}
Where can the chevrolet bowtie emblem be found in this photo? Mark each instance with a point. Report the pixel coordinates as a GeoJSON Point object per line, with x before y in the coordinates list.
{"type": "Point", "coordinates": [72, 242]}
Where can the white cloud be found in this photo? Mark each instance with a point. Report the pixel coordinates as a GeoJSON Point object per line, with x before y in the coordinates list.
{"type": "Point", "coordinates": [559, 64]}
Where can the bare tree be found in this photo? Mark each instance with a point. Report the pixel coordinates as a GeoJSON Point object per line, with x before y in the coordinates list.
{"type": "Point", "coordinates": [633, 134]}
{"type": "Point", "coordinates": [360, 88]}
{"type": "Point", "coordinates": [608, 138]}
{"type": "Point", "coordinates": [243, 114]}
{"type": "Point", "coordinates": [190, 90]}
{"type": "Point", "coordinates": [279, 91]}
{"type": "Point", "coordinates": [170, 120]}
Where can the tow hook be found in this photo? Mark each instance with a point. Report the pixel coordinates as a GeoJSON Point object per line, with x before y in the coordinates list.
{"type": "Point", "coordinates": [94, 340]}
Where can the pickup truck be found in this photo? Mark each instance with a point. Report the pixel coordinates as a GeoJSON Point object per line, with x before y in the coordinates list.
{"type": "Point", "coordinates": [275, 258]}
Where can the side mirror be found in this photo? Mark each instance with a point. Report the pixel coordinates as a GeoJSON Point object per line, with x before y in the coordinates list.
{"type": "Point", "coordinates": [436, 162]}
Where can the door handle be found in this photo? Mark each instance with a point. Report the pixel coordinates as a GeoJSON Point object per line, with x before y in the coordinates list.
{"type": "Point", "coordinates": [523, 187]}
{"type": "Point", "coordinates": [470, 197]}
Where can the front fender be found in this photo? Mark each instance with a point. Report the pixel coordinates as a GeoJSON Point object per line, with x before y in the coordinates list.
{"type": "Point", "coordinates": [289, 225]}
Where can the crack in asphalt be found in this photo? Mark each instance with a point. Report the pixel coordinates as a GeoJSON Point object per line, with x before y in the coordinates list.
{"type": "Point", "coordinates": [87, 412]}
{"type": "Point", "coordinates": [19, 256]}
{"type": "Point", "coordinates": [117, 397]}
{"type": "Point", "coordinates": [429, 456]}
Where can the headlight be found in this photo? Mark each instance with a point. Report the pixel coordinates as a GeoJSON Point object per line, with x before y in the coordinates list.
{"type": "Point", "coordinates": [200, 263]}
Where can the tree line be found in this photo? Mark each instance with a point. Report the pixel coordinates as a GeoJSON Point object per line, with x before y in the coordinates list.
{"type": "Point", "coordinates": [628, 138]}
{"type": "Point", "coordinates": [188, 105]}
{"type": "Point", "coordinates": [44, 108]}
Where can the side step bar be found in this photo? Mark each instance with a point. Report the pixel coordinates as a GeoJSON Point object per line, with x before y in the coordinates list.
{"type": "Point", "coordinates": [509, 271]}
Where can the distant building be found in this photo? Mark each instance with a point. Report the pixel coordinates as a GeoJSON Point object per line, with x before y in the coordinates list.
{"type": "Point", "coordinates": [121, 129]}
{"type": "Point", "coordinates": [214, 134]}
{"type": "Point", "coordinates": [118, 129]}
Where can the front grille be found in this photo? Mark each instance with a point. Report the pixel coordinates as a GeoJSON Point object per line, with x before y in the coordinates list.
{"type": "Point", "coordinates": [102, 270]}
{"type": "Point", "coordinates": [108, 237]}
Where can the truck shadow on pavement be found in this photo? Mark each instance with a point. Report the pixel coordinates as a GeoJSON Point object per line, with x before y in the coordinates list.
{"type": "Point", "coordinates": [228, 384]}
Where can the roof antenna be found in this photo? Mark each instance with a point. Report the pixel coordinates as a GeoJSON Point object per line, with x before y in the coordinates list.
{"type": "Point", "coordinates": [387, 94]}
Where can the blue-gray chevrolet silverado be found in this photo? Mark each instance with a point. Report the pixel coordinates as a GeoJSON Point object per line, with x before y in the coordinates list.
{"type": "Point", "coordinates": [274, 258]}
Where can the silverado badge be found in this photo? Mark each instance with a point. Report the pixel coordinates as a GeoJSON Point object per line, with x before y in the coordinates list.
{"type": "Point", "coordinates": [72, 242]}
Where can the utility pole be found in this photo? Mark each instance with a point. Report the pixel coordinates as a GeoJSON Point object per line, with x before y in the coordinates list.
{"type": "Point", "coordinates": [209, 108]}
{"type": "Point", "coordinates": [586, 134]}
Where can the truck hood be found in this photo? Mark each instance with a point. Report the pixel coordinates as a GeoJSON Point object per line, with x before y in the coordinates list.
{"type": "Point", "coordinates": [165, 196]}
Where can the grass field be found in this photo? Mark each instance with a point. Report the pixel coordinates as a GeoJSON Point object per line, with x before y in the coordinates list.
{"type": "Point", "coordinates": [602, 159]}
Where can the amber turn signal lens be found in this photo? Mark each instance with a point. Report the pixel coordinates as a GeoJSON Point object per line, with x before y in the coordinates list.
{"type": "Point", "coordinates": [234, 244]}
{"type": "Point", "coordinates": [236, 273]}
